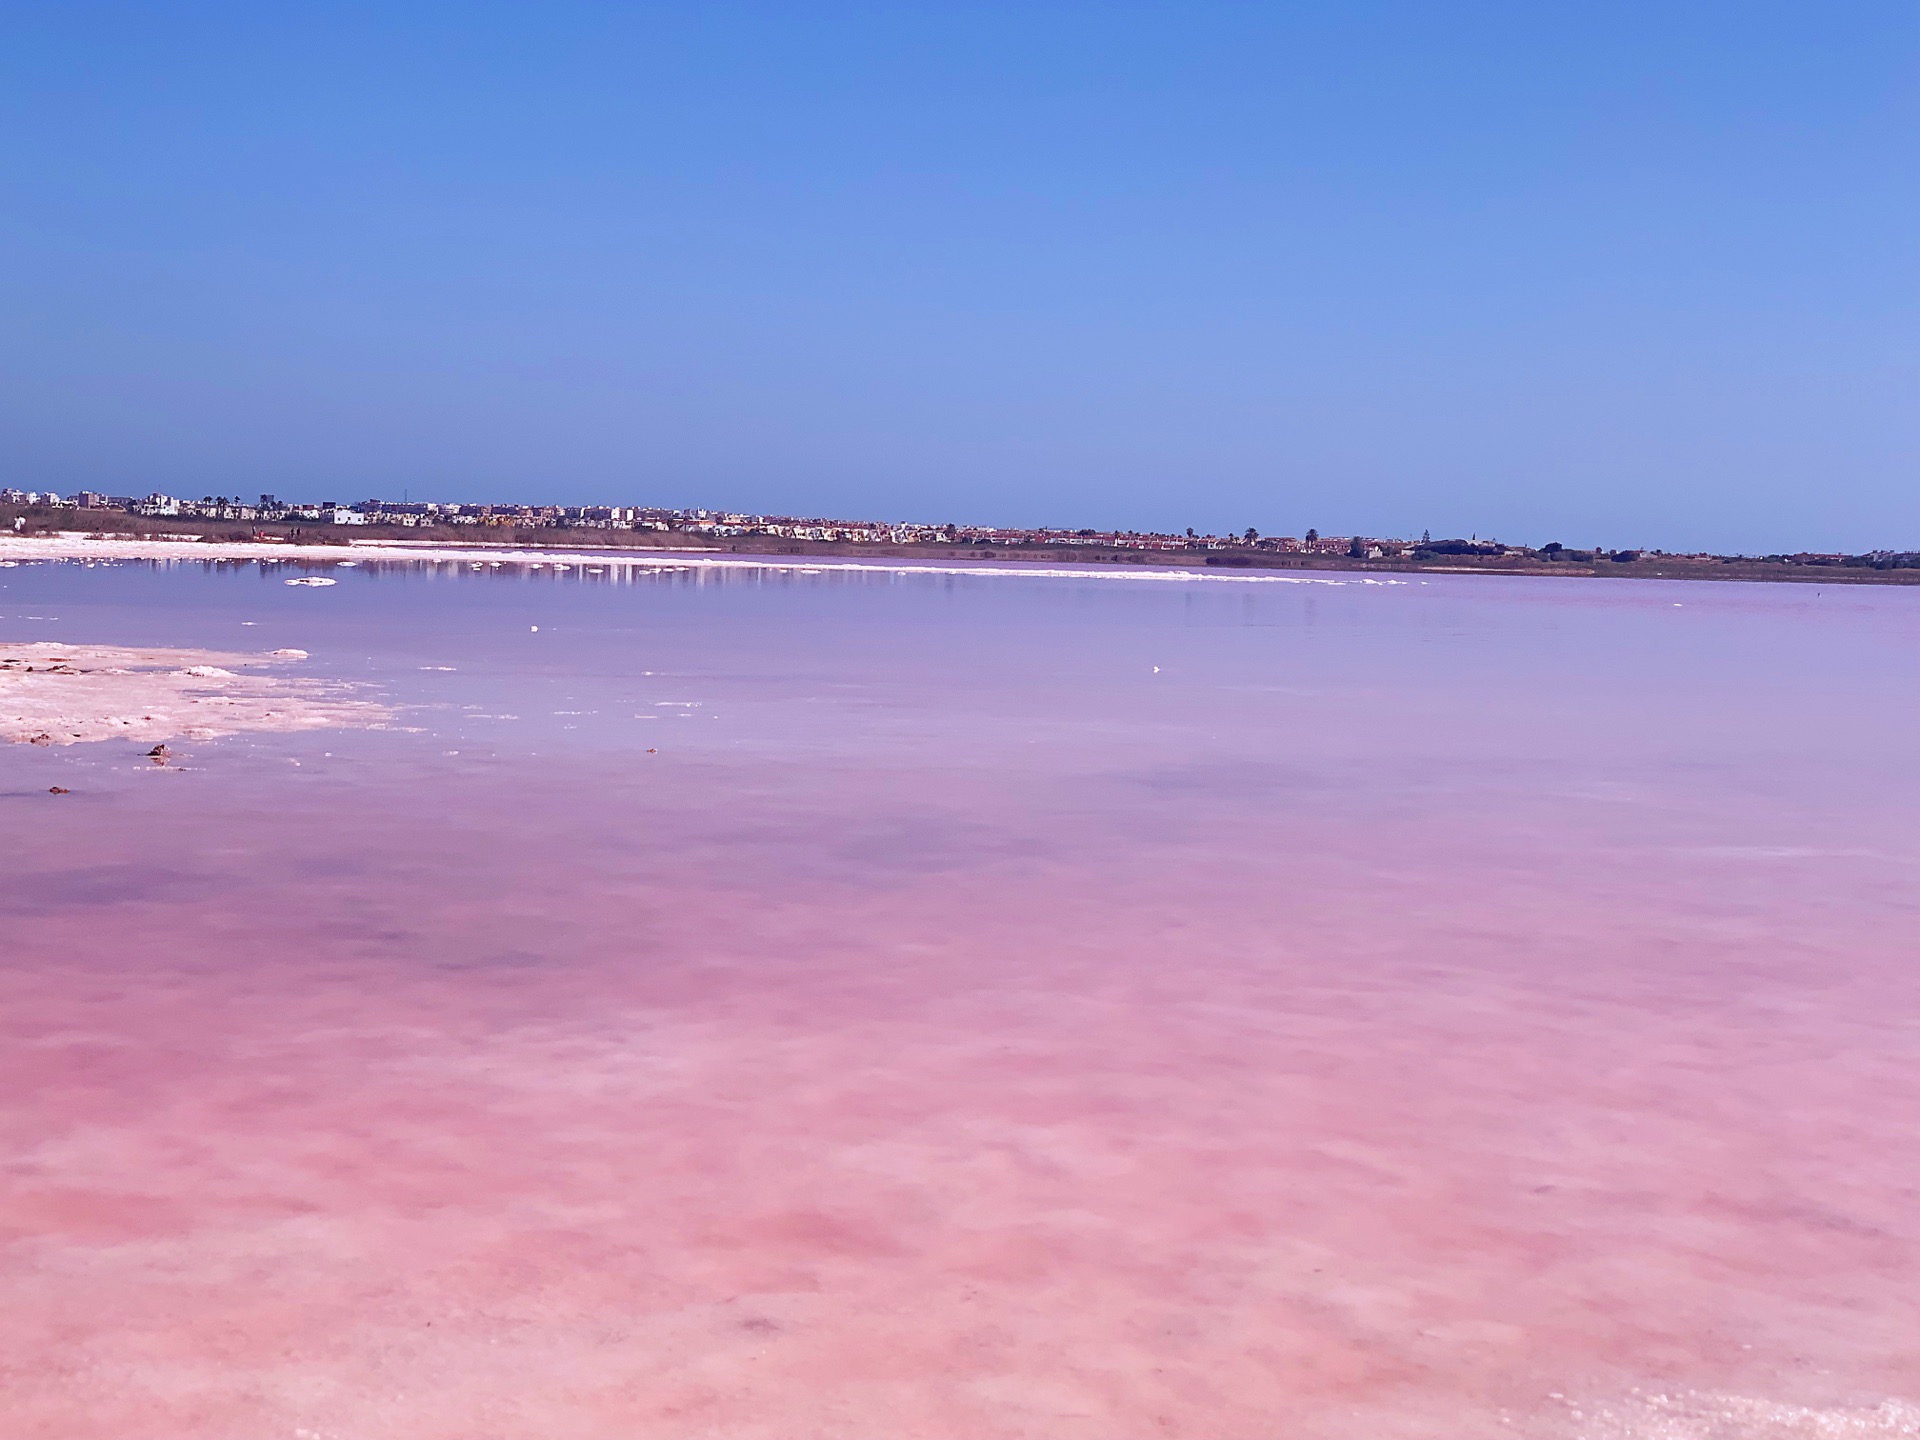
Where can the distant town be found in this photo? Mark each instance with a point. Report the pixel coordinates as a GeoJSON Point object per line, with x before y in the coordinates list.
{"type": "Point", "coordinates": [269, 518]}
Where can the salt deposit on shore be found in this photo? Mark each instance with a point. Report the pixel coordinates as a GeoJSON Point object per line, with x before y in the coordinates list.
{"type": "Point", "coordinates": [88, 547]}
{"type": "Point", "coordinates": [1689, 1416]}
{"type": "Point", "coordinates": [57, 694]}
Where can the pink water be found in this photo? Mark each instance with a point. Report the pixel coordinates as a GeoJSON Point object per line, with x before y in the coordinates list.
{"type": "Point", "coordinates": [1445, 1010]}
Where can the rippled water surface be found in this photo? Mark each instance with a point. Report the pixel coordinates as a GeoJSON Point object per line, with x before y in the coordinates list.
{"type": "Point", "coordinates": [760, 1004]}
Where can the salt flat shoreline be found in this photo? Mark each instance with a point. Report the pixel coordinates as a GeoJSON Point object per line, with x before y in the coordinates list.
{"type": "Point", "coordinates": [1231, 563]}
{"type": "Point", "coordinates": [66, 547]}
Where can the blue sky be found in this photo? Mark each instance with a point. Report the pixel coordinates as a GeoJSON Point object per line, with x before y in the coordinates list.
{"type": "Point", "coordinates": [1633, 274]}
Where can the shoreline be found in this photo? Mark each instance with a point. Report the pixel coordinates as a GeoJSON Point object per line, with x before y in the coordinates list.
{"type": "Point", "coordinates": [634, 550]}
{"type": "Point", "coordinates": [1229, 567]}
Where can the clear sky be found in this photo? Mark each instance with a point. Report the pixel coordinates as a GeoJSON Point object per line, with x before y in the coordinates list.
{"type": "Point", "coordinates": [1635, 273]}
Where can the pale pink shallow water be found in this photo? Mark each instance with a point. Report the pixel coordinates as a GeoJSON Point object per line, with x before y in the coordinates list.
{"type": "Point", "coordinates": [1443, 1011]}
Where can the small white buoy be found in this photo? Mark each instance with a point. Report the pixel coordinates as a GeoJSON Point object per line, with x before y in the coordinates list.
{"type": "Point", "coordinates": [534, 628]}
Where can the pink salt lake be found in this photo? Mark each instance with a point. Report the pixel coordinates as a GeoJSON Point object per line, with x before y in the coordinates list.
{"type": "Point", "coordinates": [766, 1005]}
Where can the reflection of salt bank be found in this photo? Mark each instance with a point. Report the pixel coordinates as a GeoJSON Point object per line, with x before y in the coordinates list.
{"type": "Point", "coordinates": [625, 562]}
{"type": "Point", "coordinates": [55, 694]}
